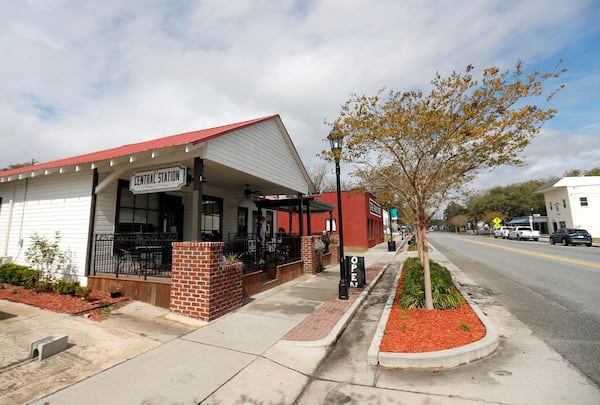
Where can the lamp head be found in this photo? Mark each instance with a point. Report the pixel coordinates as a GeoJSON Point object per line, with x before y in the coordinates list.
{"type": "Point", "coordinates": [336, 140]}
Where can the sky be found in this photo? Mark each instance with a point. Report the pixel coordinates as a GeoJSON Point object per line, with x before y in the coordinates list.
{"type": "Point", "coordinates": [80, 76]}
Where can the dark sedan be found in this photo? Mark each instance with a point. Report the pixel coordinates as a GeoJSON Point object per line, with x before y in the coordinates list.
{"type": "Point", "coordinates": [570, 236]}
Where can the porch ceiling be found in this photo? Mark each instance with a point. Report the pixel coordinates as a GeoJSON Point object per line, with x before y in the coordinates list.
{"type": "Point", "coordinates": [215, 174]}
{"type": "Point", "coordinates": [316, 206]}
{"type": "Point", "coordinates": [225, 177]}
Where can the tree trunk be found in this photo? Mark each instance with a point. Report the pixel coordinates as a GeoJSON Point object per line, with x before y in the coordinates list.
{"type": "Point", "coordinates": [421, 227]}
{"type": "Point", "coordinates": [426, 269]}
{"type": "Point", "coordinates": [419, 240]}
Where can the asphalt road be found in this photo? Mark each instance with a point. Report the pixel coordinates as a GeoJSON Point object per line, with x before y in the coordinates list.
{"type": "Point", "coordinates": [523, 370]}
{"type": "Point", "coordinates": [554, 290]}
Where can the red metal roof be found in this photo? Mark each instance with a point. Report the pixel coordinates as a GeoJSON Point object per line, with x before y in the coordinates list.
{"type": "Point", "coordinates": [193, 138]}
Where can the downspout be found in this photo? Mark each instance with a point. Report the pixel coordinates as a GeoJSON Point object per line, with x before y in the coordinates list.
{"type": "Point", "coordinates": [301, 213]}
{"type": "Point", "coordinates": [92, 224]}
{"type": "Point", "coordinates": [308, 215]}
{"type": "Point", "coordinates": [22, 219]}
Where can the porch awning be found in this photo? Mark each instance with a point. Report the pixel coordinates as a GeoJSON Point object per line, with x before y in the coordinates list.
{"type": "Point", "coordinates": [293, 205]}
{"type": "Point", "coordinates": [301, 206]}
{"type": "Point", "coordinates": [519, 221]}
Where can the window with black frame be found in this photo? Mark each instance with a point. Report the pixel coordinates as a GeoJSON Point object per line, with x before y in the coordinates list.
{"type": "Point", "coordinates": [242, 220]}
{"type": "Point", "coordinates": [137, 212]}
{"type": "Point", "coordinates": [212, 215]}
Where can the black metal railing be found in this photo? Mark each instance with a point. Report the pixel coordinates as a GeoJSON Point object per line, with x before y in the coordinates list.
{"type": "Point", "coordinates": [141, 254]}
{"type": "Point", "coordinates": [277, 250]}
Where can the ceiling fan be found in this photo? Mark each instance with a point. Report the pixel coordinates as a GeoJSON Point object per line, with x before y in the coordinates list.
{"type": "Point", "coordinates": [248, 192]}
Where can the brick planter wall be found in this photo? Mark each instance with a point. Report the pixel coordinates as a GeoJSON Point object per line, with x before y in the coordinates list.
{"type": "Point", "coordinates": [201, 286]}
{"type": "Point", "coordinates": [289, 271]}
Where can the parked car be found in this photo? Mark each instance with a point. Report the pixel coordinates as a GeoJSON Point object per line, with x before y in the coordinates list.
{"type": "Point", "coordinates": [502, 232]}
{"type": "Point", "coordinates": [523, 232]}
{"type": "Point", "coordinates": [570, 236]}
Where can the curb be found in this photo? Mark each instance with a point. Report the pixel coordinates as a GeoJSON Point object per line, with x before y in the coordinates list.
{"type": "Point", "coordinates": [439, 359]}
{"type": "Point", "coordinates": [373, 352]}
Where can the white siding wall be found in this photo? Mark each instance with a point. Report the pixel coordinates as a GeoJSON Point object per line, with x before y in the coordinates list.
{"type": "Point", "coordinates": [586, 217]}
{"type": "Point", "coordinates": [259, 150]}
{"type": "Point", "coordinates": [58, 203]}
{"type": "Point", "coordinates": [10, 217]}
{"type": "Point", "coordinates": [106, 203]}
{"type": "Point", "coordinates": [574, 215]}
{"type": "Point", "coordinates": [553, 197]}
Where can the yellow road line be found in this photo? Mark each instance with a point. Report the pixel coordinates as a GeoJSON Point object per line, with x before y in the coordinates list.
{"type": "Point", "coordinates": [544, 255]}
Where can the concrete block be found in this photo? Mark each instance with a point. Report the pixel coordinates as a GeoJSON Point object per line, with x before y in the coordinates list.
{"type": "Point", "coordinates": [48, 346]}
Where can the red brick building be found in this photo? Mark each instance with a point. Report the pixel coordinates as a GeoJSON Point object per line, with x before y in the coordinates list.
{"type": "Point", "coordinates": [363, 219]}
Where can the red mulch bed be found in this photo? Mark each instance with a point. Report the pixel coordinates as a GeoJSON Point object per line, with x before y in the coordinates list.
{"type": "Point", "coordinates": [91, 306]}
{"type": "Point", "coordinates": [421, 330]}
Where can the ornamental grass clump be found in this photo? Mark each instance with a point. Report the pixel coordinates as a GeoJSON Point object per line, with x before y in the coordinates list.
{"type": "Point", "coordinates": [444, 294]}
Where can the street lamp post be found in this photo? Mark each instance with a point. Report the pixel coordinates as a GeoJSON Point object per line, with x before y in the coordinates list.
{"type": "Point", "coordinates": [336, 139]}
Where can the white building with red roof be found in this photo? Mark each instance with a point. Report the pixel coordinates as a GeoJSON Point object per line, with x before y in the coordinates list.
{"type": "Point", "coordinates": [195, 186]}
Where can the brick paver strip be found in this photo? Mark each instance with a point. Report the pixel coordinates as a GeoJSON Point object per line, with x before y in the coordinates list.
{"type": "Point", "coordinates": [318, 325]}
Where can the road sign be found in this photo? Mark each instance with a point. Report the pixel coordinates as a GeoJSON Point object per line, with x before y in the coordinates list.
{"type": "Point", "coordinates": [497, 221]}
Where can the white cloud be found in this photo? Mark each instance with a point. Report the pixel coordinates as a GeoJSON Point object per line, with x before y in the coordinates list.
{"type": "Point", "coordinates": [84, 76]}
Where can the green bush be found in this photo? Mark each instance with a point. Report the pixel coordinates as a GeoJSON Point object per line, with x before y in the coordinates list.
{"type": "Point", "coordinates": [443, 293]}
{"type": "Point", "coordinates": [15, 274]}
{"type": "Point", "coordinates": [83, 292]}
{"type": "Point", "coordinates": [43, 286]}
{"type": "Point", "coordinates": [18, 275]}
{"type": "Point", "coordinates": [66, 287]}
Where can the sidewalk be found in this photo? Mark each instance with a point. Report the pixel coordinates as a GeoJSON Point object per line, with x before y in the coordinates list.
{"type": "Point", "coordinates": [268, 351]}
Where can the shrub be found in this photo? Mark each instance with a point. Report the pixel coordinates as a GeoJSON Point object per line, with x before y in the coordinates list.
{"type": "Point", "coordinates": [319, 246]}
{"type": "Point", "coordinates": [30, 277]}
{"type": "Point", "coordinates": [43, 286]}
{"type": "Point", "coordinates": [443, 293]}
{"type": "Point", "coordinates": [46, 256]}
{"type": "Point", "coordinates": [65, 287]}
{"type": "Point", "coordinates": [83, 292]}
{"type": "Point", "coordinates": [18, 275]}
{"type": "Point", "coordinates": [232, 258]}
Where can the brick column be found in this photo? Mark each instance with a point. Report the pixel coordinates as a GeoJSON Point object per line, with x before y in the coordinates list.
{"type": "Point", "coordinates": [202, 287]}
{"type": "Point", "coordinates": [334, 249]}
{"type": "Point", "coordinates": [308, 254]}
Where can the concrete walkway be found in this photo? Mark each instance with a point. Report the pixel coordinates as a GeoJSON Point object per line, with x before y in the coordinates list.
{"type": "Point", "coordinates": [268, 351]}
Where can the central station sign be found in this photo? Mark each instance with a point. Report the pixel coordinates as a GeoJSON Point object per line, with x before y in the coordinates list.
{"type": "Point", "coordinates": [158, 180]}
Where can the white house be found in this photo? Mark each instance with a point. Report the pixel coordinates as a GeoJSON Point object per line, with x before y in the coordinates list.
{"type": "Point", "coordinates": [197, 186]}
{"type": "Point", "coordinates": [573, 202]}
